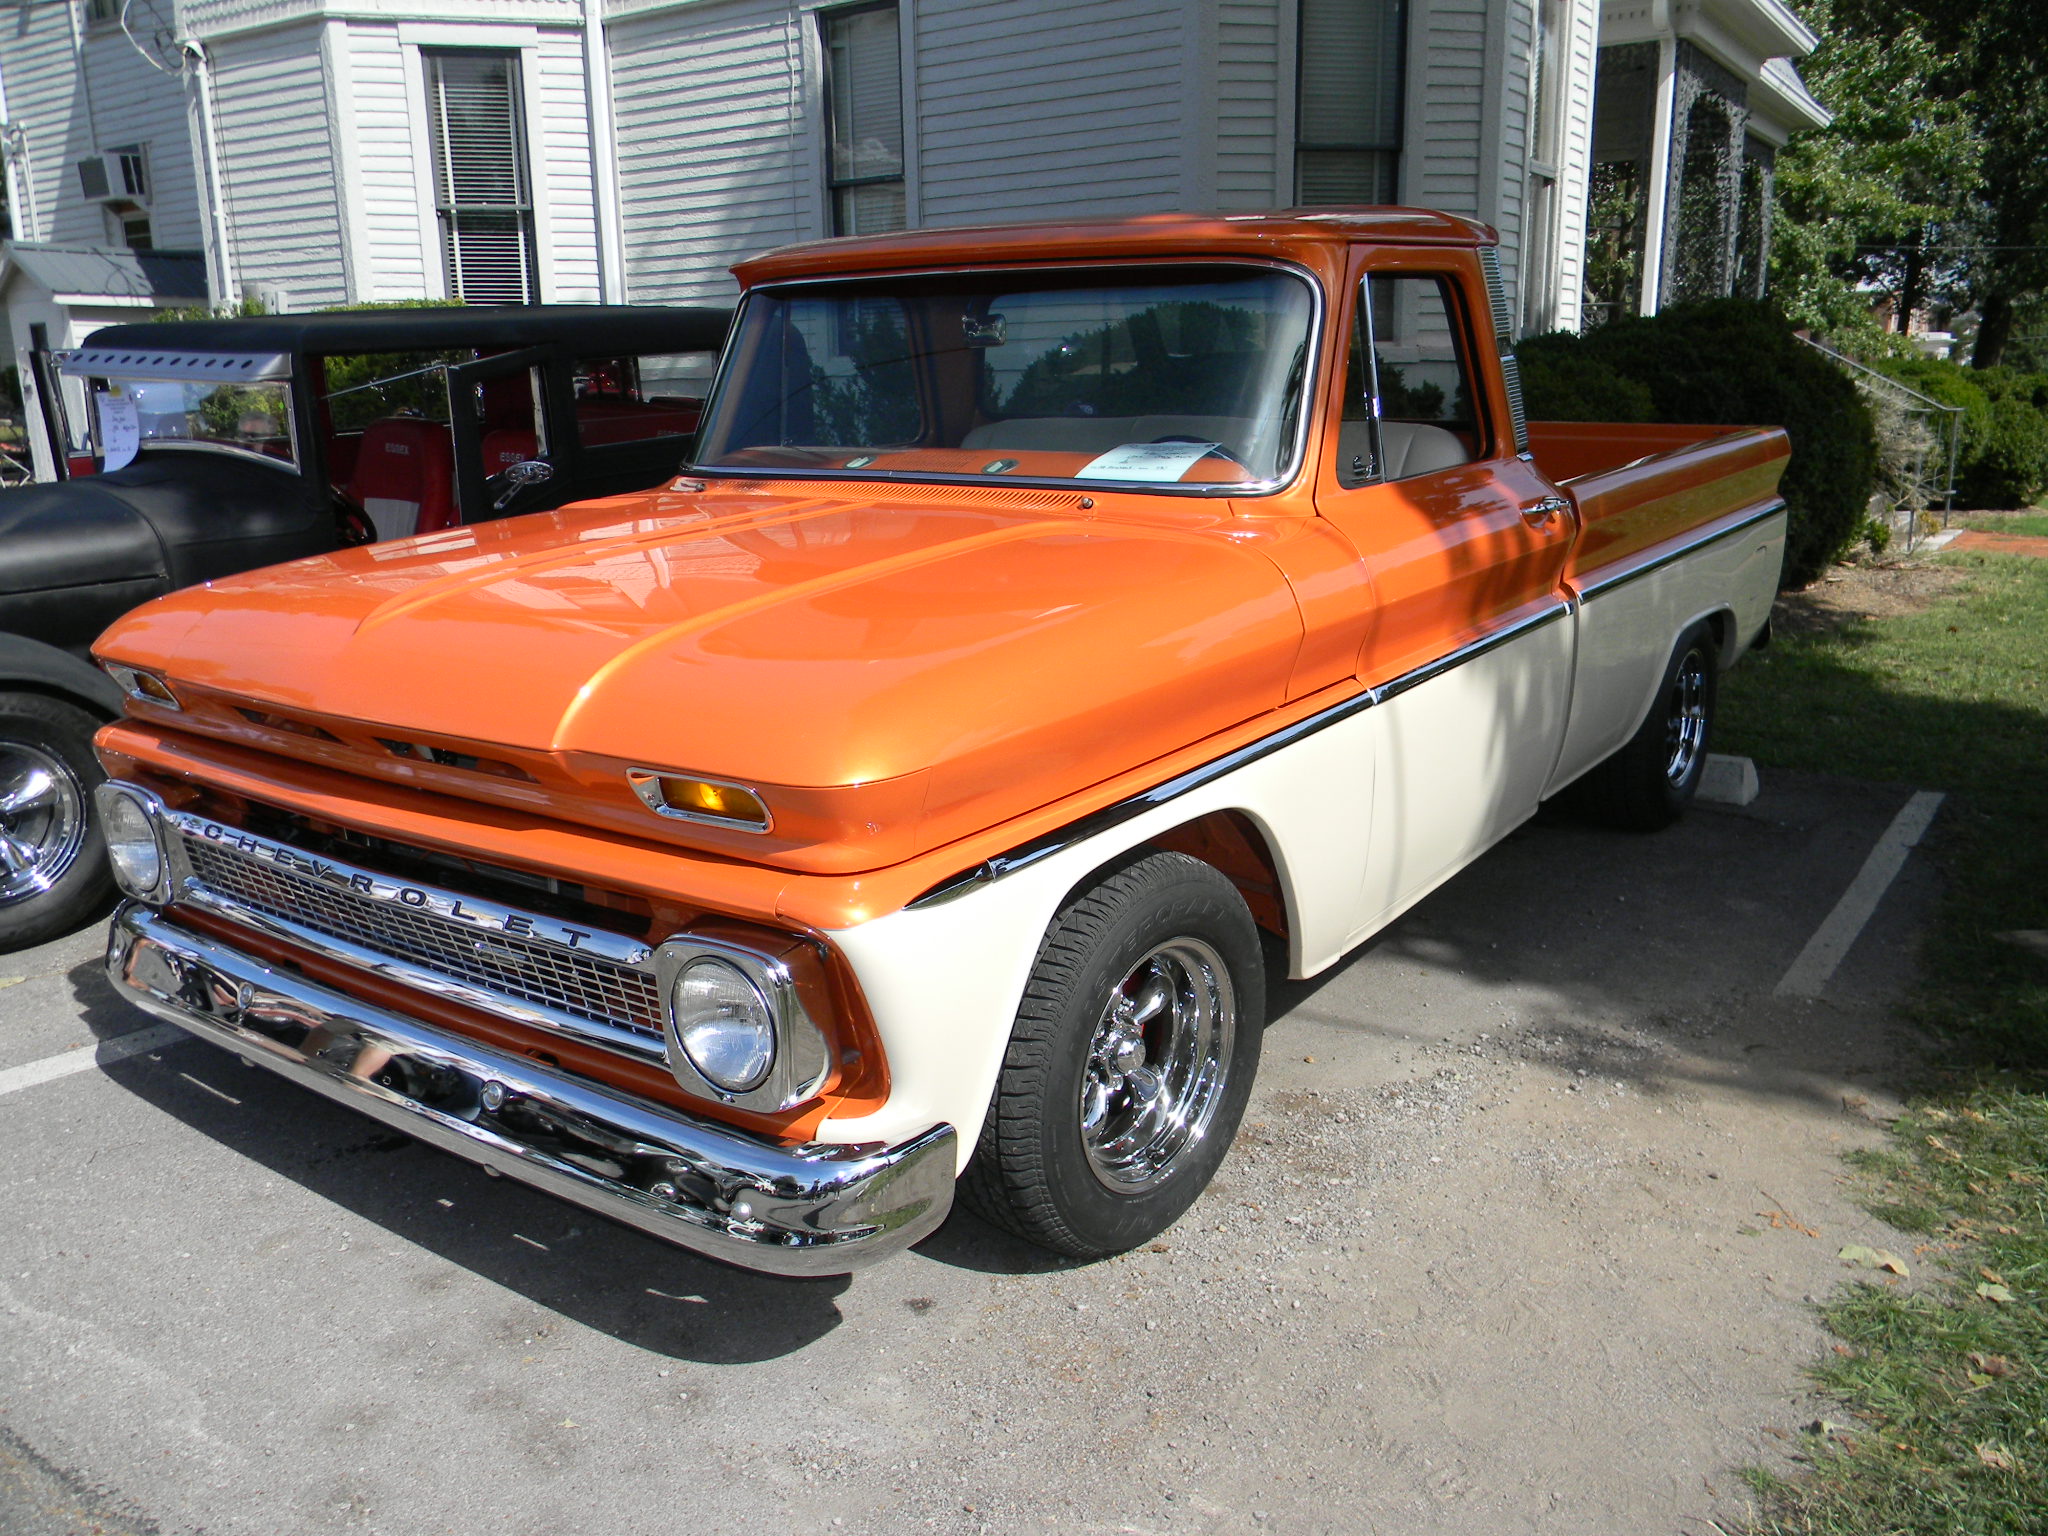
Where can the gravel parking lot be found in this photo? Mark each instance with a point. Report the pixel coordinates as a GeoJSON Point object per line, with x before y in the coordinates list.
{"type": "Point", "coordinates": [1520, 1237]}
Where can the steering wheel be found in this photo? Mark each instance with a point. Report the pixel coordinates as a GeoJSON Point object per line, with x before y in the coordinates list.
{"type": "Point", "coordinates": [1216, 450]}
{"type": "Point", "coordinates": [353, 523]}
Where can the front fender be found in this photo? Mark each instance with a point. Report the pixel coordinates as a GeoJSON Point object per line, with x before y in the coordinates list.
{"type": "Point", "coordinates": [47, 669]}
{"type": "Point", "coordinates": [943, 979]}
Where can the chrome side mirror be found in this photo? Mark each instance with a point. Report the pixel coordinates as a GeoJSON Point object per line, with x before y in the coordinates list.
{"type": "Point", "coordinates": [514, 478]}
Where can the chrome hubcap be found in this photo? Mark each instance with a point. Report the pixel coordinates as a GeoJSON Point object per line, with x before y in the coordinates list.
{"type": "Point", "coordinates": [1685, 731]}
{"type": "Point", "coordinates": [42, 820]}
{"type": "Point", "coordinates": [1156, 1064]}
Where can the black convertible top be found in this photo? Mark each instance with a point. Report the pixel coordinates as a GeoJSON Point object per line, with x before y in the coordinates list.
{"type": "Point", "coordinates": [593, 328]}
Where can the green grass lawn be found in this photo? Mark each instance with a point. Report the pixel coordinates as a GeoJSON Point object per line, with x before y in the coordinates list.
{"type": "Point", "coordinates": [2033, 525]}
{"type": "Point", "coordinates": [1944, 1384]}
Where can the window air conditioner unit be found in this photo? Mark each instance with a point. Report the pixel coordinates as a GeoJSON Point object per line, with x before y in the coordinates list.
{"type": "Point", "coordinates": [119, 175]}
{"type": "Point", "coordinates": [93, 180]}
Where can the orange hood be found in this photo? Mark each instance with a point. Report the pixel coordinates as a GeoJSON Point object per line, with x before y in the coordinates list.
{"type": "Point", "coordinates": [964, 655]}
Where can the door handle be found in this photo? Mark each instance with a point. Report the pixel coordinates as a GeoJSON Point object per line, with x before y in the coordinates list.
{"type": "Point", "coordinates": [1543, 511]}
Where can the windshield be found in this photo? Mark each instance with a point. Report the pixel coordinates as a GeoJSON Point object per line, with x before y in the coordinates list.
{"type": "Point", "coordinates": [121, 414]}
{"type": "Point", "coordinates": [1187, 376]}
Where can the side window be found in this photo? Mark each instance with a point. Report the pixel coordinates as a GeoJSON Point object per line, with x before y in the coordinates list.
{"type": "Point", "coordinates": [1410, 407]}
{"type": "Point", "coordinates": [637, 399]}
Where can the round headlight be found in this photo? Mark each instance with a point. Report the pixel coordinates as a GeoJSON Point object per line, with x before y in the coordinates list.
{"type": "Point", "coordinates": [131, 844]}
{"type": "Point", "coordinates": [723, 1024]}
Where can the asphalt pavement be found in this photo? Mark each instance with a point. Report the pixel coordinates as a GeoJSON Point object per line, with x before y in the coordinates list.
{"type": "Point", "coordinates": [1521, 1235]}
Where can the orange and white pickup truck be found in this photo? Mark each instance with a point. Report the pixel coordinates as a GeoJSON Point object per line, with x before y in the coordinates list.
{"type": "Point", "coordinates": [1057, 628]}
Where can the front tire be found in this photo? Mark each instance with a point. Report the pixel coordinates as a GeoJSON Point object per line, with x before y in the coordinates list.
{"type": "Point", "coordinates": [53, 860]}
{"type": "Point", "coordinates": [1130, 1062]}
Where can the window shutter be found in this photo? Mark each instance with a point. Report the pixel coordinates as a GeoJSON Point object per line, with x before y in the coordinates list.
{"type": "Point", "coordinates": [478, 135]}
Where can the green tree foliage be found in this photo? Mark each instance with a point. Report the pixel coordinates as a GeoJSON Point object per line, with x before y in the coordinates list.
{"type": "Point", "coordinates": [1993, 64]}
{"type": "Point", "coordinates": [876, 403]}
{"type": "Point", "coordinates": [1734, 361]}
{"type": "Point", "coordinates": [1183, 358]}
{"type": "Point", "coordinates": [1889, 195]}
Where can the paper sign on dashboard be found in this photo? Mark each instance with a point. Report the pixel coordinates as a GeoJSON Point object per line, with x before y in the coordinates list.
{"type": "Point", "coordinates": [120, 429]}
{"type": "Point", "coordinates": [1145, 461]}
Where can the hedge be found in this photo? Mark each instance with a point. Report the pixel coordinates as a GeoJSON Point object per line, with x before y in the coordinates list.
{"type": "Point", "coordinates": [1725, 361]}
{"type": "Point", "coordinates": [2003, 461]}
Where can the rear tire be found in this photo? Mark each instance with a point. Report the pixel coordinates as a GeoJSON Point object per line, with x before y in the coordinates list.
{"type": "Point", "coordinates": [1653, 778]}
{"type": "Point", "coordinates": [1130, 1062]}
{"type": "Point", "coordinates": [53, 860]}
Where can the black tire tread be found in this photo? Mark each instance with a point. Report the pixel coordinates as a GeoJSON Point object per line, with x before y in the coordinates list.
{"type": "Point", "coordinates": [1005, 1183]}
{"type": "Point", "coordinates": [88, 887]}
{"type": "Point", "coordinates": [1628, 790]}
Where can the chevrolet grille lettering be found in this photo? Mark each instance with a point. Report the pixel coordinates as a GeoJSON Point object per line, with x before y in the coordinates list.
{"type": "Point", "coordinates": [517, 927]}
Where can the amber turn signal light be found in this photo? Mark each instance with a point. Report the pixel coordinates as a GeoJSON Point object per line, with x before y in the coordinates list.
{"type": "Point", "coordinates": [146, 686]}
{"type": "Point", "coordinates": [706, 800]}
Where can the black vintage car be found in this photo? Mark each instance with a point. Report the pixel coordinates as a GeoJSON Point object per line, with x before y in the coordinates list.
{"type": "Point", "coordinates": [195, 449]}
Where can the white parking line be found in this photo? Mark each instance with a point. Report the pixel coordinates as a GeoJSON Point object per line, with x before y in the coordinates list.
{"type": "Point", "coordinates": [1834, 938]}
{"type": "Point", "coordinates": [120, 1048]}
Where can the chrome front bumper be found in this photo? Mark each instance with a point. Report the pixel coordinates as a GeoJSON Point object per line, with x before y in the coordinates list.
{"type": "Point", "coordinates": [822, 1209]}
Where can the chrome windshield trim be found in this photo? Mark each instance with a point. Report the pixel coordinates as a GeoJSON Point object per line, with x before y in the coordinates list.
{"type": "Point", "coordinates": [488, 917]}
{"type": "Point", "coordinates": [1026, 854]}
{"type": "Point", "coordinates": [1601, 587]}
{"type": "Point", "coordinates": [1297, 464]}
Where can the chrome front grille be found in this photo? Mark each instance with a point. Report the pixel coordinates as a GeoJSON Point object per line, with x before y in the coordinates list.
{"type": "Point", "coordinates": [483, 948]}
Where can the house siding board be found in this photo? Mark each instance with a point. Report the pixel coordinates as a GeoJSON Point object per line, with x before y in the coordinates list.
{"type": "Point", "coordinates": [1098, 88]}
{"type": "Point", "coordinates": [1511, 160]}
{"type": "Point", "coordinates": [715, 160]}
{"type": "Point", "coordinates": [1576, 151]}
{"type": "Point", "coordinates": [565, 171]}
{"type": "Point", "coordinates": [42, 96]}
{"type": "Point", "coordinates": [131, 103]}
{"type": "Point", "coordinates": [278, 165]}
{"type": "Point", "coordinates": [396, 254]}
{"type": "Point", "coordinates": [1451, 37]}
{"type": "Point", "coordinates": [1247, 105]}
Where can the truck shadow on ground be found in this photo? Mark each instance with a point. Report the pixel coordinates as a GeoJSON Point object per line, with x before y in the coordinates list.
{"type": "Point", "coordinates": [608, 1277]}
{"type": "Point", "coordinates": [1672, 939]}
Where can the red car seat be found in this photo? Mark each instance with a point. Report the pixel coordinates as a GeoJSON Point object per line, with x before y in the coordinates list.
{"type": "Point", "coordinates": [405, 476]}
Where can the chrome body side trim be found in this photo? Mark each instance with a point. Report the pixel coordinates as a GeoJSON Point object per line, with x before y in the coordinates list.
{"type": "Point", "coordinates": [1601, 586]}
{"type": "Point", "coordinates": [1114, 815]}
{"type": "Point", "coordinates": [818, 1209]}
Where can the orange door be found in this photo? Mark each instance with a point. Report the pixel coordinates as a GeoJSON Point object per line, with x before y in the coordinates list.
{"type": "Point", "coordinates": [1464, 543]}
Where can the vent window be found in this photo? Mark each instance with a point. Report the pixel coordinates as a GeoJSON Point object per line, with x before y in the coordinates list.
{"type": "Point", "coordinates": [482, 192]}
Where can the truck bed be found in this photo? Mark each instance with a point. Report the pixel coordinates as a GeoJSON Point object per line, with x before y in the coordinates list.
{"type": "Point", "coordinates": [1640, 488]}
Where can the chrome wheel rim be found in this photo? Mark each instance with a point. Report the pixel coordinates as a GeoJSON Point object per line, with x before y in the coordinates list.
{"type": "Point", "coordinates": [1685, 729]}
{"type": "Point", "coordinates": [42, 820]}
{"type": "Point", "coordinates": [1156, 1065]}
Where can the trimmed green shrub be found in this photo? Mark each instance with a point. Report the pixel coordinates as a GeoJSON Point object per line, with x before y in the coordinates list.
{"type": "Point", "coordinates": [1561, 383]}
{"type": "Point", "coordinates": [1736, 362]}
{"type": "Point", "coordinates": [2003, 462]}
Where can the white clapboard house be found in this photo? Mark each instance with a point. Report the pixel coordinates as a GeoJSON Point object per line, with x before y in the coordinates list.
{"type": "Point", "coordinates": [321, 152]}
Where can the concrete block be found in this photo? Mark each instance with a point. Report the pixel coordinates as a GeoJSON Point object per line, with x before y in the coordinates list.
{"type": "Point", "coordinates": [1728, 780]}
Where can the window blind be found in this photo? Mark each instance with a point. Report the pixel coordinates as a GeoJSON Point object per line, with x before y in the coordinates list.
{"type": "Point", "coordinates": [1348, 104]}
{"type": "Point", "coordinates": [481, 189]}
{"type": "Point", "coordinates": [864, 94]}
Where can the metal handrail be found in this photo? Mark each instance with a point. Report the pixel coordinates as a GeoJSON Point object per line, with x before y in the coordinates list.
{"type": "Point", "coordinates": [1913, 401]}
